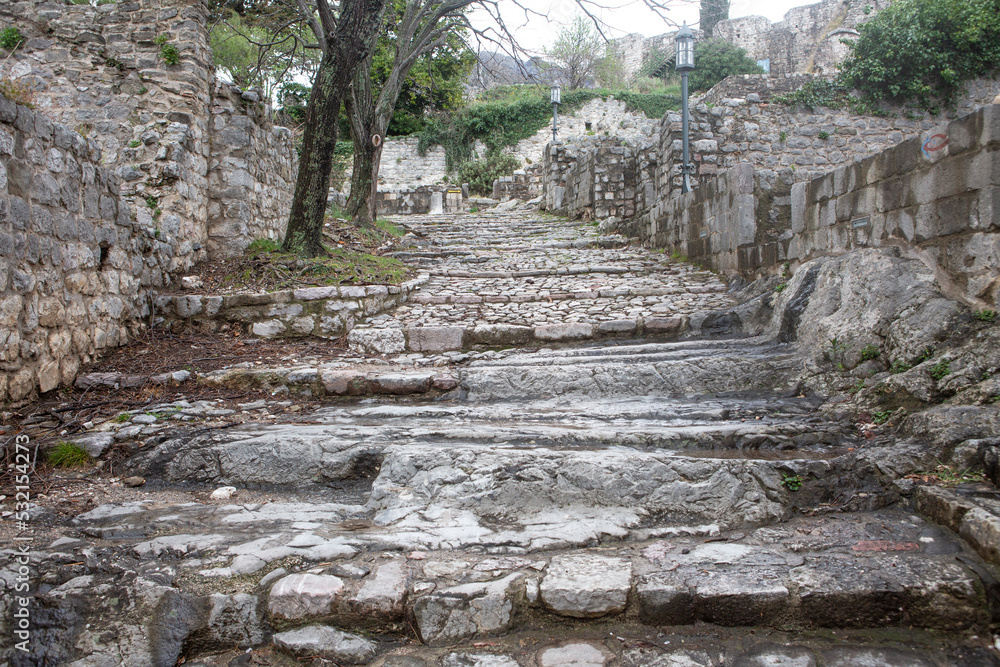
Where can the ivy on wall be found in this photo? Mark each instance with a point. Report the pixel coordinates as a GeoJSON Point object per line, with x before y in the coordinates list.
{"type": "Point", "coordinates": [508, 116]}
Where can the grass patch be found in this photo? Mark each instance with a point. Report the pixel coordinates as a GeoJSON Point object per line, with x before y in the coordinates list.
{"type": "Point", "coordinates": [68, 455]}
{"type": "Point", "coordinates": [264, 267]}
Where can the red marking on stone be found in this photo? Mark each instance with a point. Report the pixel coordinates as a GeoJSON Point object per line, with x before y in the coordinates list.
{"type": "Point", "coordinates": [881, 545]}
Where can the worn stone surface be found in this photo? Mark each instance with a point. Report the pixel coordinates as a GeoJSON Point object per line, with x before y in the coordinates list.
{"type": "Point", "coordinates": [326, 642]}
{"type": "Point", "coordinates": [586, 586]}
{"type": "Point", "coordinates": [303, 596]}
{"type": "Point", "coordinates": [470, 611]}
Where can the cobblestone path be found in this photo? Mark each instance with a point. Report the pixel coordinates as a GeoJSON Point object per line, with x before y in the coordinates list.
{"type": "Point", "coordinates": [528, 270]}
{"type": "Point", "coordinates": [536, 473]}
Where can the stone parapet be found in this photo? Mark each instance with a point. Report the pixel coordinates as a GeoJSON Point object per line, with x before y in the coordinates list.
{"type": "Point", "coordinates": [935, 196]}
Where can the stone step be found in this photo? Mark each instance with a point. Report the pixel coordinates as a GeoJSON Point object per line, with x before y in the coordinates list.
{"type": "Point", "coordinates": [971, 510]}
{"type": "Point", "coordinates": [292, 566]}
{"type": "Point", "coordinates": [467, 335]}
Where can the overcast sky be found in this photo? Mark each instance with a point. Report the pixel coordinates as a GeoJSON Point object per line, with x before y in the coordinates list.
{"type": "Point", "coordinates": [631, 16]}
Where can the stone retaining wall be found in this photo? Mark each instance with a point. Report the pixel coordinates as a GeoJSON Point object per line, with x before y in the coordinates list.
{"type": "Point", "coordinates": [326, 312]}
{"type": "Point", "coordinates": [251, 173]}
{"type": "Point", "coordinates": [74, 268]}
{"type": "Point", "coordinates": [597, 178]}
{"type": "Point", "coordinates": [936, 196]}
{"type": "Point", "coordinates": [421, 200]}
{"type": "Point", "coordinates": [199, 165]}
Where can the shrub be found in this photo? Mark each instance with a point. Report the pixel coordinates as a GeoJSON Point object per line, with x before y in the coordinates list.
{"type": "Point", "coordinates": [985, 315]}
{"type": "Point", "coordinates": [10, 38]}
{"type": "Point", "coordinates": [715, 59]}
{"type": "Point", "coordinates": [480, 174]}
{"type": "Point", "coordinates": [920, 50]}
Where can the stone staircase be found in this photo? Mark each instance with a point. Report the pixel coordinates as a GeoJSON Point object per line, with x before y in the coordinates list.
{"type": "Point", "coordinates": [512, 279]}
{"type": "Point", "coordinates": [630, 502]}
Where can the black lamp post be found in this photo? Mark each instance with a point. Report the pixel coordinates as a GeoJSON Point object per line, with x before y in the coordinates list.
{"type": "Point", "coordinates": [556, 93]}
{"type": "Point", "coordinates": [684, 64]}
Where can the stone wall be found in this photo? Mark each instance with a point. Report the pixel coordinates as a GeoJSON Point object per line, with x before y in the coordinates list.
{"type": "Point", "coordinates": [98, 70]}
{"type": "Point", "coordinates": [421, 200]}
{"type": "Point", "coordinates": [734, 123]}
{"type": "Point", "coordinates": [74, 268]}
{"type": "Point", "coordinates": [325, 312]}
{"type": "Point", "coordinates": [251, 173]}
{"type": "Point", "coordinates": [128, 170]}
{"type": "Point", "coordinates": [596, 178]}
{"type": "Point", "coordinates": [403, 168]}
{"type": "Point", "coordinates": [807, 40]}
{"type": "Point", "coordinates": [936, 196]}
{"type": "Point", "coordinates": [524, 185]}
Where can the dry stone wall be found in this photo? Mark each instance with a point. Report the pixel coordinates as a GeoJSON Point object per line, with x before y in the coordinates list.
{"type": "Point", "coordinates": [251, 173]}
{"type": "Point", "coordinates": [936, 196]}
{"type": "Point", "coordinates": [75, 269]}
{"type": "Point", "coordinates": [127, 171]}
{"type": "Point", "coordinates": [176, 140]}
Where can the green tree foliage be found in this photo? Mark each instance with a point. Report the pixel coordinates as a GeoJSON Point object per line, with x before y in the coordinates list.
{"type": "Point", "coordinates": [715, 59]}
{"type": "Point", "coordinates": [434, 82]}
{"type": "Point", "coordinates": [920, 50]}
{"type": "Point", "coordinates": [712, 12]}
{"type": "Point", "coordinates": [579, 50]}
{"type": "Point", "coordinates": [256, 52]}
{"type": "Point", "coordinates": [480, 174]}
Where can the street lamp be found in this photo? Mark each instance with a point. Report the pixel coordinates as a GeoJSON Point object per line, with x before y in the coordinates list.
{"type": "Point", "coordinates": [684, 64]}
{"type": "Point", "coordinates": [556, 93]}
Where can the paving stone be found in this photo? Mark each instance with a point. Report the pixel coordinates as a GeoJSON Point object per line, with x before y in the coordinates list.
{"type": "Point", "coordinates": [888, 590]}
{"type": "Point", "coordinates": [435, 339]}
{"type": "Point", "coordinates": [740, 598]}
{"type": "Point", "coordinates": [878, 657]}
{"type": "Point", "coordinates": [478, 660]}
{"type": "Point", "coordinates": [664, 601]}
{"type": "Point", "coordinates": [468, 611]}
{"type": "Point", "coordinates": [774, 655]}
{"type": "Point", "coordinates": [301, 596]}
{"type": "Point", "coordinates": [563, 332]}
{"type": "Point", "coordinates": [382, 594]}
{"type": "Point", "coordinates": [586, 586]}
{"type": "Point", "coordinates": [326, 642]}
{"type": "Point", "coordinates": [574, 655]}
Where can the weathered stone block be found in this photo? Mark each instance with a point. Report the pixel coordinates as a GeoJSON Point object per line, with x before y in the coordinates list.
{"type": "Point", "coordinates": [301, 596]}
{"type": "Point", "coordinates": [435, 339]}
{"type": "Point", "coordinates": [586, 586]}
{"type": "Point", "coordinates": [469, 611]}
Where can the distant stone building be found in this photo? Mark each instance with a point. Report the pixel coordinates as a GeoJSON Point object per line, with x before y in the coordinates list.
{"type": "Point", "coordinates": [807, 40]}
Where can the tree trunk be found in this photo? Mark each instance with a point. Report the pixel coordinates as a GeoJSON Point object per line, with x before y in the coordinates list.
{"type": "Point", "coordinates": [353, 39]}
